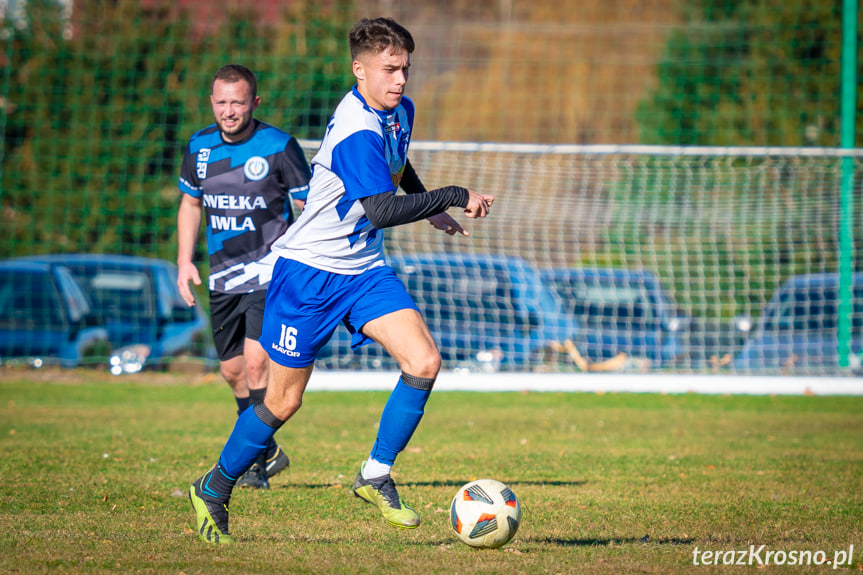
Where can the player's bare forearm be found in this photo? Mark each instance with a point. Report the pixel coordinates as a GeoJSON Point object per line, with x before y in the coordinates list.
{"type": "Point", "coordinates": [188, 225]}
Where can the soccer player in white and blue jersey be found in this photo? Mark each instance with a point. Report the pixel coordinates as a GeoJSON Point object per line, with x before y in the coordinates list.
{"type": "Point", "coordinates": [240, 176]}
{"type": "Point", "coordinates": [331, 269]}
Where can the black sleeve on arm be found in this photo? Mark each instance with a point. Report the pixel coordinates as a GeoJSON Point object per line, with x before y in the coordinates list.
{"type": "Point", "coordinates": [411, 183]}
{"type": "Point", "coordinates": [301, 173]}
{"type": "Point", "coordinates": [387, 209]}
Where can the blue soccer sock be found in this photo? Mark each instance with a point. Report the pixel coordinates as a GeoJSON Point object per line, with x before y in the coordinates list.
{"type": "Point", "coordinates": [401, 416]}
{"type": "Point", "coordinates": [253, 430]}
{"type": "Point", "coordinates": [257, 396]}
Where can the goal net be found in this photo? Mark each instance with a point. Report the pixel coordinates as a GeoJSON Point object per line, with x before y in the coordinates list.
{"type": "Point", "coordinates": [657, 258]}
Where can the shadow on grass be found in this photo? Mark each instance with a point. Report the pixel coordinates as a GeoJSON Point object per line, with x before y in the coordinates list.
{"type": "Point", "coordinates": [573, 542]}
{"type": "Point", "coordinates": [512, 483]}
{"type": "Point", "coordinates": [552, 483]}
{"type": "Point", "coordinates": [646, 540]}
{"type": "Point", "coordinates": [446, 483]}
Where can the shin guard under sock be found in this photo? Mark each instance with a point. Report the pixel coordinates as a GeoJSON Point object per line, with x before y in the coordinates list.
{"type": "Point", "coordinates": [401, 417]}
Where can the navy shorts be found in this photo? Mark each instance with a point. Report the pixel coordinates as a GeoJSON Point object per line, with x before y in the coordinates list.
{"type": "Point", "coordinates": [305, 305]}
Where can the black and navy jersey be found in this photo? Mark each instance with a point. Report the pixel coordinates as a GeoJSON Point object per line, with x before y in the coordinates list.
{"type": "Point", "coordinates": [247, 189]}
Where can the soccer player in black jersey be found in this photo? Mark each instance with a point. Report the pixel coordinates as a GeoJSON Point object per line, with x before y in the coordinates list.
{"type": "Point", "coordinates": [240, 175]}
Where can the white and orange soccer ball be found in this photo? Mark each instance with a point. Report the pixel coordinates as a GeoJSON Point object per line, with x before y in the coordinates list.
{"type": "Point", "coordinates": [485, 513]}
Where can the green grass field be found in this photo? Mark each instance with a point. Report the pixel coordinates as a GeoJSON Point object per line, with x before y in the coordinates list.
{"type": "Point", "coordinates": [95, 471]}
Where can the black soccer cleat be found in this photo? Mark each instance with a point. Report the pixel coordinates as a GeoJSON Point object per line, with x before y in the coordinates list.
{"type": "Point", "coordinates": [276, 463]}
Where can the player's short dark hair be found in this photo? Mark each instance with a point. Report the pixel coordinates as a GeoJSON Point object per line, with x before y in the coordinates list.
{"type": "Point", "coordinates": [234, 73]}
{"type": "Point", "coordinates": [377, 34]}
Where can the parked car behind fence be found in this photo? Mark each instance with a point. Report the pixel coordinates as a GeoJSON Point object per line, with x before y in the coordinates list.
{"type": "Point", "coordinates": [622, 311]}
{"type": "Point", "coordinates": [485, 312]}
{"type": "Point", "coordinates": [137, 300]}
{"type": "Point", "coordinates": [45, 318]}
{"type": "Point", "coordinates": [797, 331]}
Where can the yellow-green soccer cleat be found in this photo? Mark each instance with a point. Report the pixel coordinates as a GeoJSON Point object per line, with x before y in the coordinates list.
{"type": "Point", "coordinates": [381, 492]}
{"type": "Point", "coordinates": [211, 515]}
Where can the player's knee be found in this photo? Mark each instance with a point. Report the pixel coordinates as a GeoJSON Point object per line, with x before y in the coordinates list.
{"type": "Point", "coordinates": [231, 374]}
{"type": "Point", "coordinates": [426, 366]}
{"type": "Point", "coordinates": [287, 407]}
{"type": "Point", "coordinates": [434, 364]}
{"type": "Point", "coordinates": [257, 373]}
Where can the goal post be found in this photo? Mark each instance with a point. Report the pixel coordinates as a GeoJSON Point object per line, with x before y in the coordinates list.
{"type": "Point", "coordinates": [721, 228]}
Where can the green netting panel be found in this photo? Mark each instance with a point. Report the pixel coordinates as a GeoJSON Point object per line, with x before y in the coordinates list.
{"type": "Point", "coordinates": [720, 229]}
{"type": "Point", "coordinates": [98, 98]}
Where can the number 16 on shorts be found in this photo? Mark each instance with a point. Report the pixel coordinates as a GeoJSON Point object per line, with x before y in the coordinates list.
{"type": "Point", "coordinates": [288, 337]}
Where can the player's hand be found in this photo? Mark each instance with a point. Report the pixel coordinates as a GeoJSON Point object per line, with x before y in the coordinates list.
{"type": "Point", "coordinates": [478, 205]}
{"type": "Point", "coordinates": [445, 222]}
{"type": "Point", "coordinates": [187, 272]}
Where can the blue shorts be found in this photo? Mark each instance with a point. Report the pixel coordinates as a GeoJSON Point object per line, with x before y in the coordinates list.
{"type": "Point", "coordinates": [305, 305]}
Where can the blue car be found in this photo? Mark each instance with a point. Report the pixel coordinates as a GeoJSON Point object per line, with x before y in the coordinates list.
{"type": "Point", "coordinates": [622, 311]}
{"type": "Point", "coordinates": [485, 312]}
{"type": "Point", "coordinates": [45, 318]}
{"type": "Point", "coordinates": [138, 302]}
{"type": "Point", "coordinates": [797, 331]}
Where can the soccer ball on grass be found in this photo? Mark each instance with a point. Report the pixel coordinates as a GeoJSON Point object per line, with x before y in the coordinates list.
{"type": "Point", "coordinates": [485, 513]}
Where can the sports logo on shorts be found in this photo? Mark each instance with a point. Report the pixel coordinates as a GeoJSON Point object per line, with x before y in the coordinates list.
{"type": "Point", "coordinates": [256, 168]}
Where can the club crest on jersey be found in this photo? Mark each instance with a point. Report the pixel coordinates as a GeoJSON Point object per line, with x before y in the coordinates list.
{"type": "Point", "coordinates": [394, 127]}
{"type": "Point", "coordinates": [256, 168]}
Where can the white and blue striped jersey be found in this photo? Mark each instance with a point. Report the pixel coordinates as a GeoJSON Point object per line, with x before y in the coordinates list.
{"type": "Point", "coordinates": [363, 153]}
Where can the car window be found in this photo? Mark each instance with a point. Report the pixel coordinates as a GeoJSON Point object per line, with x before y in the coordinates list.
{"type": "Point", "coordinates": [122, 295]}
{"type": "Point", "coordinates": [549, 301]}
{"type": "Point", "coordinates": [30, 300]}
{"type": "Point", "coordinates": [76, 301]}
{"type": "Point", "coordinates": [473, 295]}
{"type": "Point", "coordinates": [601, 303]}
{"type": "Point", "coordinates": [807, 310]}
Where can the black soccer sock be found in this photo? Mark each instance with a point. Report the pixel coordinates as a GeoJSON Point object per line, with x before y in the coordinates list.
{"type": "Point", "coordinates": [242, 404]}
{"type": "Point", "coordinates": [217, 484]}
{"type": "Point", "coordinates": [256, 396]}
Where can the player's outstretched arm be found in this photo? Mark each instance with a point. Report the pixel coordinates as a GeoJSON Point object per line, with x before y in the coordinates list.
{"type": "Point", "coordinates": [412, 184]}
{"type": "Point", "coordinates": [387, 209]}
